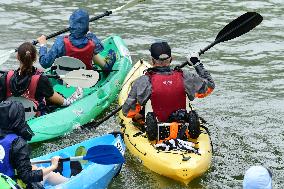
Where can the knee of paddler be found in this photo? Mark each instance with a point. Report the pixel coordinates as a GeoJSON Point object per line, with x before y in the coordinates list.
{"type": "Point", "coordinates": [151, 126]}
{"type": "Point", "coordinates": [139, 122]}
{"type": "Point", "coordinates": [193, 125]}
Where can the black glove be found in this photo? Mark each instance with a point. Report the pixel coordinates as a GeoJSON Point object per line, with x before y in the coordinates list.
{"type": "Point", "coordinates": [193, 59]}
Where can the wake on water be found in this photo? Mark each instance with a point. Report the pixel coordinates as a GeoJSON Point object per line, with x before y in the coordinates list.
{"type": "Point", "coordinates": [5, 55]}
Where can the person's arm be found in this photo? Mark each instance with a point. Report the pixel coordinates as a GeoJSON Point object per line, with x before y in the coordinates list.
{"type": "Point", "coordinates": [20, 160]}
{"type": "Point", "coordinates": [99, 60]}
{"type": "Point", "coordinates": [138, 96]}
{"type": "Point", "coordinates": [45, 89]}
{"type": "Point", "coordinates": [46, 59]}
{"type": "Point", "coordinates": [200, 85]}
{"type": "Point", "coordinates": [56, 99]}
{"type": "Point", "coordinates": [52, 167]}
{"type": "Point", "coordinates": [208, 83]}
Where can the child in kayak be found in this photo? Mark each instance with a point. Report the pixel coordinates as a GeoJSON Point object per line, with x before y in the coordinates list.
{"type": "Point", "coordinates": [14, 150]}
{"type": "Point", "coordinates": [27, 81]}
{"type": "Point", "coordinates": [167, 89]}
{"type": "Point", "coordinates": [80, 44]}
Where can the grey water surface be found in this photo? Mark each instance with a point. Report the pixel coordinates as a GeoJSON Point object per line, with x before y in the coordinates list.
{"type": "Point", "coordinates": [246, 110]}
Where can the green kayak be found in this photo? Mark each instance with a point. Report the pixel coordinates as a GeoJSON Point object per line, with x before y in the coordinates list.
{"type": "Point", "coordinates": [96, 99]}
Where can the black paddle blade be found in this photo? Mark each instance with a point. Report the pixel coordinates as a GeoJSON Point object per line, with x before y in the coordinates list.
{"type": "Point", "coordinates": [239, 26]}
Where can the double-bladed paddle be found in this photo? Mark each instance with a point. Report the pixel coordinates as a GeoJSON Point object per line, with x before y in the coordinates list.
{"type": "Point", "coordinates": [5, 55]}
{"type": "Point", "coordinates": [101, 154]}
{"type": "Point", "coordinates": [106, 13]}
{"type": "Point", "coordinates": [235, 28]}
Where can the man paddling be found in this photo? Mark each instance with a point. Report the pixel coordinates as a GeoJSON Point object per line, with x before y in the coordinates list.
{"type": "Point", "coordinates": [80, 44]}
{"type": "Point", "coordinates": [167, 89]}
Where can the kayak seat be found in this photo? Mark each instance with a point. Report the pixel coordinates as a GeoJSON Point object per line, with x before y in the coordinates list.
{"type": "Point", "coordinates": [29, 105]}
{"type": "Point", "coordinates": [65, 64]}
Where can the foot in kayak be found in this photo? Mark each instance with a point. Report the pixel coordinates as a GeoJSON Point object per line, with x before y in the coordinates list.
{"type": "Point", "coordinates": [74, 97]}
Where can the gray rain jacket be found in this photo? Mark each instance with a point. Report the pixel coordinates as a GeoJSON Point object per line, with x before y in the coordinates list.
{"type": "Point", "coordinates": [195, 86]}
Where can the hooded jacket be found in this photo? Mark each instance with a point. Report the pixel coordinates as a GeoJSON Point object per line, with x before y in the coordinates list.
{"type": "Point", "coordinates": [12, 118]}
{"type": "Point", "coordinates": [79, 37]}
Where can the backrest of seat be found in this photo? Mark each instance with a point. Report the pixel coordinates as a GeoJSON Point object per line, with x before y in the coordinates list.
{"type": "Point", "coordinates": [29, 105]}
{"type": "Point", "coordinates": [66, 64]}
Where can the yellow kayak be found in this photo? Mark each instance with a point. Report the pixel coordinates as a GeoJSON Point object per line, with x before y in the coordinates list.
{"type": "Point", "coordinates": [178, 165]}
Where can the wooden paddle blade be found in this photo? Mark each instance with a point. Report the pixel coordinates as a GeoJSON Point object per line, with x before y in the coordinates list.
{"type": "Point", "coordinates": [104, 154]}
{"type": "Point", "coordinates": [81, 78]}
{"type": "Point", "coordinates": [239, 26]}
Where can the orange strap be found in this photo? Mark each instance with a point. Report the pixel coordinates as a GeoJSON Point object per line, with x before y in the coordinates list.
{"type": "Point", "coordinates": [202, 95]}
{"type": "Point", "coordinates": [132, 113]}
{"type": "Point", "coordinates": [173, 132]}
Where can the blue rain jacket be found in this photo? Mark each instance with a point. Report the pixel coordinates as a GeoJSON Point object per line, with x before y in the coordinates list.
{"type": "Point", "coordinates": [79, 26]}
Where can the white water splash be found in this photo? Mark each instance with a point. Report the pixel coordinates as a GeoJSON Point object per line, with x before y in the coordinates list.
{"type": "Point", "coordinates": [5, 55]}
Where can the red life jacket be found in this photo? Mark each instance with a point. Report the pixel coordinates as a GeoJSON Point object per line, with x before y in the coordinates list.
{"type": "Point", "coordinates": [84, 54]}
{"type": "Point", "coordinates": [168, 93]}
{"type": "Point", "coordinates": [31, 90]}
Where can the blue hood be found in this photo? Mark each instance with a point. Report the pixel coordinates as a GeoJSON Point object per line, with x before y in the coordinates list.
{"type": "Point", "coordinates": [79, 26]}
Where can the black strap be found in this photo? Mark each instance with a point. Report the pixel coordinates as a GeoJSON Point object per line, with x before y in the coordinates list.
{"type": "Point", "coordinates": [182, 131]}
{"type": "Point", "coordinates": [67, 68]}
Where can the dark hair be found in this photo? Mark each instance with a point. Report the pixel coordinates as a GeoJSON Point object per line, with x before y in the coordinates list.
{"type": "Point", "coordinates": [27, 56]}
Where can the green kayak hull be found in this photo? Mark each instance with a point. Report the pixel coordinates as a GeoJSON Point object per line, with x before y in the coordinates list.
{"type": "Point", "coordinates": [96, 99]}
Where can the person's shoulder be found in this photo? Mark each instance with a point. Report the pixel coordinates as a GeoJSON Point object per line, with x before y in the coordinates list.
{"type": "Point", "coordinates": [142, 80]}
{"type": "Point", "coordinates": [59, 39]}
{"type": "Point", "coordinates": [91, 35]}
{"type": "Point", "coordinates": [188, 73]}
{"type": "Point", "coordinates": [43, 79]}
{"type": "Point", "coordinates": [19, 143]}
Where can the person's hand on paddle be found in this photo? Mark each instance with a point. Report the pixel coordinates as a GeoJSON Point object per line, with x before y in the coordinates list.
{"type": "Point", "coordinates": [54, 162]}
{"type": "Point", "coordinates": [42, 40]}
{"type": "Point", "coordinates": [193, 59]}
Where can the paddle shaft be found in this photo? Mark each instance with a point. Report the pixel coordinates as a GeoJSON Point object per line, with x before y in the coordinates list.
{"type": "Point", "coordinates": [107, 13]}
{"type": "Point", "coordinates": [76, 158]}
{"type": "Point", "coordinates": [95, 123]}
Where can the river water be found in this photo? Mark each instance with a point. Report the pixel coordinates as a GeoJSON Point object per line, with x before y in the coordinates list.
{"type": "Point", "coordinates": [246, 110]}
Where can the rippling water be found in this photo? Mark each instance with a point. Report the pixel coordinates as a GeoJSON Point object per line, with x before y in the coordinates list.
{"type": "Point", "coordinates": [246, 109]}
